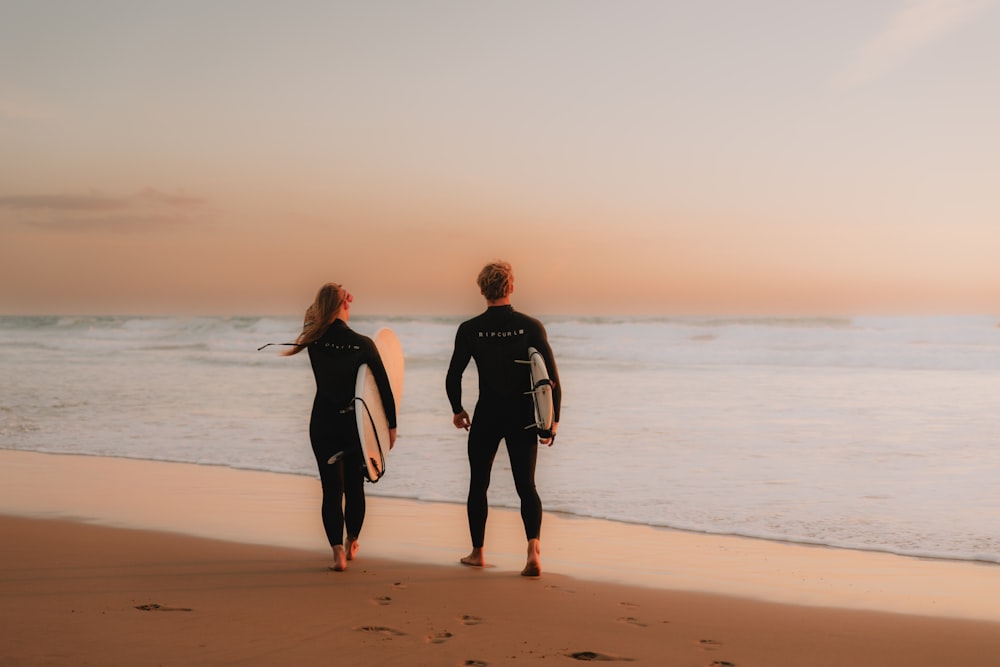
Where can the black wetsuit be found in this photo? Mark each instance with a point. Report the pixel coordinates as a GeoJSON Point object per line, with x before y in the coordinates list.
{"type": "Point", "coordinates": [335, 359]}
{"type": "Point", "coordinates": [496, 339]}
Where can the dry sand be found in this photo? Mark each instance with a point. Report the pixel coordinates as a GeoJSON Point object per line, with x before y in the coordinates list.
{"type": "Point", "coordinates": [95, 569]}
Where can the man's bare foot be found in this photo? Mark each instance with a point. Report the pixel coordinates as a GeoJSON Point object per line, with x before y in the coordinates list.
{"type": "Point", "coordinates": [351, 547]}
{"type": "Point", "coordinates": [533, 568]}
{"type": "Point", "coordinates": [339, 559]}
{"type": "Point", "coordinates": [475, 559]}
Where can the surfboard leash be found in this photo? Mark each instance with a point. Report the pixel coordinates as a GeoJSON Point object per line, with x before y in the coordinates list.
{"type": "Point", "coordinates": [542, 432]}
{"type": "Point", "coordinates": [378, 440]}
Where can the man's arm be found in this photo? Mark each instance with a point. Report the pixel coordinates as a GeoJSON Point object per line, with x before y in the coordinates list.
{"type": "Point", "coordinates": [460, 358]}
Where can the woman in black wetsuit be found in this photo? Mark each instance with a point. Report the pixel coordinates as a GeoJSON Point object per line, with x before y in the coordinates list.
{"type": "Point", "coordinates": [497, 339]}
{"type": "Point", "coordinates": [335, 353]}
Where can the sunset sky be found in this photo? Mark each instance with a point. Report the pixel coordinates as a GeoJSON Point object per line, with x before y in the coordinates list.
{"type": "Point", "coordinates": [628, 157]}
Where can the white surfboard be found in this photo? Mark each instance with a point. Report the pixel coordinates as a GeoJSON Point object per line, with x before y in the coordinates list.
{"type": "Point", "coordinates": [373, 426]}
{"type": "Point", "coordinates": [541, 392]}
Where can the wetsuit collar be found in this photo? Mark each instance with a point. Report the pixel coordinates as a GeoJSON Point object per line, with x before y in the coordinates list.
{"type": "Point", "coordinates": [337, 324]}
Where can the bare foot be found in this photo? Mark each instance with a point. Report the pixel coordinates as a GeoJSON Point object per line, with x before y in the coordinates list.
{"type": "Point", "coordinates": [475, 559]}
{"type": "Point", "coordinates": [533, 568]}
{"type": "Point", "coordinates": [339, 559]}
{"type": "Point", "coordinates": [351, 547]}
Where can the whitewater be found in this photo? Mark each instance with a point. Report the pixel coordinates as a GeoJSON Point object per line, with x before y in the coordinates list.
{"type": "Point", "coordinates": [874, 433]}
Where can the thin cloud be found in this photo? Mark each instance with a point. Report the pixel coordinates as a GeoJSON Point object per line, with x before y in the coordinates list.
{"type": "Point", "coordinates": [62, 203]}
{"type": "Point", "coordinates": [146, 210]}
{"type": "Point", "coordinates": [914, 27]}
{"type": "Point", "coordinates": [122, 223]}
{"type": "Point", "coordinates": [146, 198]}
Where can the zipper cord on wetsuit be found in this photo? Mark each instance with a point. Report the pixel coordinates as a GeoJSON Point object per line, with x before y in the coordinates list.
{"type": "Point", "coordinates": [270, 344]}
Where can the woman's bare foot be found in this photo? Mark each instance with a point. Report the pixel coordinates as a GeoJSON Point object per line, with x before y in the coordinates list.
{"type": "Point", "coordinates": [339, 559]}
{"type": "Point", "coordinates": [475, 559]}
{"type": "Point", "coordinates": [351, 547]}
{"type": "Point", "coordinates": [533, 568]}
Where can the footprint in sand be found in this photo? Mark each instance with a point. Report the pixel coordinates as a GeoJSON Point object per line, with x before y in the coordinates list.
{"type": "Point", "coordinates": [159, 607]}
{"type": "Point", "coordinates": [559, 588]}
{"type": "Point", "coordinates": [398, 584]}
{"type": "Point", "coordinates": [588, 656]}
{"type": "Point", "coordinates": [475, 663]}
{"type": "Point", "coordinates": [383, 600]}
{"type": "Point", "coordinates": [709, 644]}
{"type": "Point", "coordinates": [439, 637]}
{"type": "Point", "coordinates": [382, 630]}
{"type": "Point", "coordinates": [469, 619]}
{"type": "Point", "coordinates": [722, 663]}
{"type": "Point", "coordinates": [632, 620]}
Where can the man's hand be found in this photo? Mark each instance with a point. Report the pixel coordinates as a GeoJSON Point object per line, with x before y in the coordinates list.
{"type": "Point", "coordinates": [392, 437]}
{"type": "Point", "coordinates": [461, 420]}
{"type": "Point", "coordinates": [549, 441]}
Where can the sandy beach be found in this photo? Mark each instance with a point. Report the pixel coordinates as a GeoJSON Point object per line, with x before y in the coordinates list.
{"type": "Point", "coordinates": [115, 562]}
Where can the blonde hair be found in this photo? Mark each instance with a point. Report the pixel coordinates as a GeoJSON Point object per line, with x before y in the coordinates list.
{"type": "Point", "coordinates": [319, 316]}
{"type": "Point", "coordinates": [496, 280]}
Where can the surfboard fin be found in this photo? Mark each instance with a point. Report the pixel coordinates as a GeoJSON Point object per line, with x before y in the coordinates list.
{"type": "Point", "coordinates": [336, 457]}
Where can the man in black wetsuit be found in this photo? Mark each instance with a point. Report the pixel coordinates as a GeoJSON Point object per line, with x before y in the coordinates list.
{"type": "Point", "coordinates": [497, 340]}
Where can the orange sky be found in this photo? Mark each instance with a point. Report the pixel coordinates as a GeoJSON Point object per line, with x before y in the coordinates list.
{"type": "Point", "coordinates": [662, 160]}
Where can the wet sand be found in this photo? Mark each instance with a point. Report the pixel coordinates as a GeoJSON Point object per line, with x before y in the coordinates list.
{"type": "Point", "coordinates": [115, 562]}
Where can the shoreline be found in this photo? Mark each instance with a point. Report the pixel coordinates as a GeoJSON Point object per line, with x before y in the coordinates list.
{"type": "Point", "coordinates": [569, 516]}
{"type": "Point", "coordinates": [272, 509]}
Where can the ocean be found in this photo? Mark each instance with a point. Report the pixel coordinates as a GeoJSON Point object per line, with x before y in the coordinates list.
{"type": "Point", "coordinates": [873, 433]}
